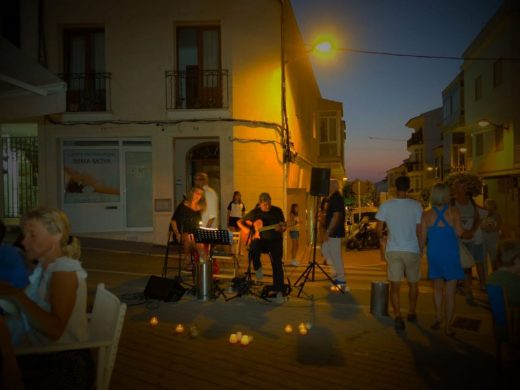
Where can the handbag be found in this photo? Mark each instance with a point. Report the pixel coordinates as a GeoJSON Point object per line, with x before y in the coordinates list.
{"type": "Point", "coordinates": [466, 259]}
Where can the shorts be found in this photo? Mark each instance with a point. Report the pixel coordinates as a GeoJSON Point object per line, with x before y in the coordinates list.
{"type": "Point", "coordinates": [232, 222]}
{"type": "Point", "coordinates": [476, 250]}
{"type": "Point", "coordinates": [294, 234]}
{"type": "Point", "coordinates": [401, 264]}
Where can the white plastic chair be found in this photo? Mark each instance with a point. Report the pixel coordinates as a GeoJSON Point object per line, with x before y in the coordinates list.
{"type": "Point", "coordinates": [104, 331]}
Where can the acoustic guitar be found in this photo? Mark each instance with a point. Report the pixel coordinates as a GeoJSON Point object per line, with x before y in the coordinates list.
{"type": "Point", "coordinates": [258, 227]}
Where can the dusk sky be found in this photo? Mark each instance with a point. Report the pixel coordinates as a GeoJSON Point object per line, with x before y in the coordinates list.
{"type": "Point", "coordinates": [381, 93]}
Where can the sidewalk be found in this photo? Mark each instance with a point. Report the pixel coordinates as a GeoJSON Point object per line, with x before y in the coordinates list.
{"type": "Point", "coordinates": [346, 346]}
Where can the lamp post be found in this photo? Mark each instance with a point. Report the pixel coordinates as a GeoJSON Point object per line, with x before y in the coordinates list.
{"type": "Point", "coordinates": [485, 123]}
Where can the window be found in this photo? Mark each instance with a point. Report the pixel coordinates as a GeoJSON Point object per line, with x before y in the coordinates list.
{"type": "Point", "coordinates": [84, 65]}
{"type": "Point", "coordinates": [499, 138]}
{"type": "Point", "coordinates": [199, 76]}
{"type": "Point", "coordinates": [497, 73]}
{"type": "Point", "coordinates": [479, 144]}
{"type": "Point", "coordinates": [328, 133]}
{"type": "Point", "coordinates": [458, 138]}
{"type": "Point", "coordinates": [478, 88]}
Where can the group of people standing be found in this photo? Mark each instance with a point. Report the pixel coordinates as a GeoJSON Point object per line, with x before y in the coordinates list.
{"type": "Point", "coordinates": [452, 226]}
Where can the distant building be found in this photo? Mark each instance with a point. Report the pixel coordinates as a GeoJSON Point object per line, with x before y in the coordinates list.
{"type": "Point", "coordinates": [422, 161]}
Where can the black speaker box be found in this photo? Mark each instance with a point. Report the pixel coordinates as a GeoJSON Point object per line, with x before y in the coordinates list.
{"type": "Point", "coordinates": [164, 289]}
{"type": "Point", "coordinates": [320, 180]}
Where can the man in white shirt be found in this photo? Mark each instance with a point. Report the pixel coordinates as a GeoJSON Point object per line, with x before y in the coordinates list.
{"type": "Point", "coordinates": [210, 215]}
{"type": "Point", "coordinates": [403, 220]}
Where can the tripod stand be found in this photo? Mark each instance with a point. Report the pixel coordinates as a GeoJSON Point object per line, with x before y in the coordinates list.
{"type": "Point", "coordinates": [312, 265]}
{"type": "Point", "coordinates": [245, 287]}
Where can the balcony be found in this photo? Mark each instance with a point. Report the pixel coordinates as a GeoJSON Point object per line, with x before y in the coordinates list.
{"type": "Point", "coordinates": [415, 139]}
{"type": "Point", "coordinates": [87, 92]}
{"type": "Point", "coordinates": [414, 166]}
{"type": "Point", "coordinates": [196, 89]}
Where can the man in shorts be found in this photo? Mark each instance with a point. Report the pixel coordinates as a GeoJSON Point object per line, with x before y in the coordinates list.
{"type": "Point", "coordinates": [403, 220]}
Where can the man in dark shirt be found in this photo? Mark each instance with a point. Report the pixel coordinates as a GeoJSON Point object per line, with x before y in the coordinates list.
{"type": "Point", "coordinates": [335, 225]}
{"type": "Point", "coordinates": [270, 240]}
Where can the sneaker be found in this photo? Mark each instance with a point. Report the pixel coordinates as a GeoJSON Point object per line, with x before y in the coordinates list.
{"type": "Point", "coordinates": [339, 284]}
{"type": "Point", "coordinates": [295, 263]}
{"type": "Point", "coordinates": [259, 274]}
{"type": "Point", "coordinates": [279, 298]}
{"type": "Point", "coordinates": [399, 324]}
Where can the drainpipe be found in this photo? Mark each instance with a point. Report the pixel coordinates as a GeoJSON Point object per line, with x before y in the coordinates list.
{"type": "Point", "coordinates": [286, 160]}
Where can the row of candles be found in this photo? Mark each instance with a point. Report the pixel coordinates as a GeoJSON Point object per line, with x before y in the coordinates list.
{"type": "Point", "coordinates": [238, 337]}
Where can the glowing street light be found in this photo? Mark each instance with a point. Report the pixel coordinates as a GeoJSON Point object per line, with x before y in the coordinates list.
{"type": "Point", "coordinates": [482, 123]}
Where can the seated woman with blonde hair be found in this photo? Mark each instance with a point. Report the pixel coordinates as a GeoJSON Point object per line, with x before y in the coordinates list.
{"type": "Point", "coordinates": [185, 220]}
{"type": "Point", "coordinates": [53, 306]}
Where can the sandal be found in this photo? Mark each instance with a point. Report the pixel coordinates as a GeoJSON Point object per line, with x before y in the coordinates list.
{"type": "Point", "coordinates": [436, 325]}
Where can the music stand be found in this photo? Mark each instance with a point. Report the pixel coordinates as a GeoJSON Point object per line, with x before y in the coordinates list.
{"type": "Point", "coordinates": [213, 236]}
{"type": "Point", "coordinates": [312, 265]}
{"type": "Point", "coordinates": [246, 285]}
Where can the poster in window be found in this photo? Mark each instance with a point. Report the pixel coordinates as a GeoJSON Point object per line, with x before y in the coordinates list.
{"type": "Point", "coordinates": [91, 175]}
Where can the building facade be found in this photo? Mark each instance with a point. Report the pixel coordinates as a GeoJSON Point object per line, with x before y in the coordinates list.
{"type": "Point", "coordinates": [159, 91]}
{"type": "Point", "coordinates": [426, 137]}
{"type": "Point", "coordinates": [492, 98]}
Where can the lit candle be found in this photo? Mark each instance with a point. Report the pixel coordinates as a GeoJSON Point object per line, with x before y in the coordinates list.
{"type": "Point", "coordinates": [154, 321]}
{"type": "Point", "coordinates": [239, 336]}
{"type": "Point", "coordinates": [302, 325]}
{"type": "Point", "coordinates": [233, 339]}
{"type": "Point", "coordinates": [179, 328]}
{"type": "Point", "coordinates": [288, 328]}
{"type": "Point", "coordinates": [303, 331]}
{"type": "Point", "coordinates": [244, 340]}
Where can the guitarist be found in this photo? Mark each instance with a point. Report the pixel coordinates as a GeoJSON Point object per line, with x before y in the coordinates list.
{"type": "Point", "coordinates": [267, 223]}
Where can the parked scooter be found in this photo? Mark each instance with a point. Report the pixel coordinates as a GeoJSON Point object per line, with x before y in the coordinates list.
{"type": "Point", "coordinates": [363, 237]}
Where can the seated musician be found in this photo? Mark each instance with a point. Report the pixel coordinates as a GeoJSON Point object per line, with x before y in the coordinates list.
{"type": "Point", "coordinates": [185, 220]}
{"type": "Point", "coordinates": [268, 224]}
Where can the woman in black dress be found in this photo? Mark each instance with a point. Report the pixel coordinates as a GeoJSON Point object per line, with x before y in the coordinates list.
{"type": "Point", "coordinates": [186, 219]}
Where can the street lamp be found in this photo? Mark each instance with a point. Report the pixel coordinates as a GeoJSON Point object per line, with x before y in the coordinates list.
{"type": "Point", "coordinates": [485, 123]}
{"type": "Point", "coordinates": [434, 170]}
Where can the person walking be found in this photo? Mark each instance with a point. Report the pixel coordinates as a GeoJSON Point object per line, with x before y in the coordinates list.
{"type": "Point", "coordinates": [335, 231]}
{"type": "Point", "coordinates": [402, 216]}
{"type": "Point", "coordinates": [470, 216]}
{"type": "Point", "coordinates": [441, 227]}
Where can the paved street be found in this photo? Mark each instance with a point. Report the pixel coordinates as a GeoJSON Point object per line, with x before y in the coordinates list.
{"type": "Point", "coordinates": [346, 346]}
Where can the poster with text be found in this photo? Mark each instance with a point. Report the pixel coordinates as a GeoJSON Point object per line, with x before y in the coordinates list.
{"type": "Point", "coordinates": [91, 175]}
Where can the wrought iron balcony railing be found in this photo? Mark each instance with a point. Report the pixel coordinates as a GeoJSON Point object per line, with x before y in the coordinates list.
{"type": "Point", "coordinates": [196, 89]}
{"type": "Point", "coordinates": [87, 92]}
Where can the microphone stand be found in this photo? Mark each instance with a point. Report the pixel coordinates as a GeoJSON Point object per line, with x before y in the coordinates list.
{"type": "Point", "coordinates": [313, 264]}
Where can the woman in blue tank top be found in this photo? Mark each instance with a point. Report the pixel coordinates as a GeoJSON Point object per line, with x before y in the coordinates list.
{"type": "Point", "coordinates": [441, 229]}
